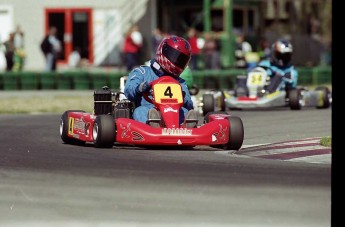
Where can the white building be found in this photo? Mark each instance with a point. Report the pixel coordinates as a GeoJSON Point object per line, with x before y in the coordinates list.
{"type": "Point", "coordinates": [97, 27]}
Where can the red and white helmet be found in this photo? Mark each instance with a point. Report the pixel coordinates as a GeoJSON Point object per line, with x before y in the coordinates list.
{"type": "Point", "coordinates": [173, 55]}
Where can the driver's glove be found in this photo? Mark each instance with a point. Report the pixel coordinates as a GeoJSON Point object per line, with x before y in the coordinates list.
{"type": "Point", "coordinates": [288, 75]}
{"type": "Point", "coordinates": [144, 87]}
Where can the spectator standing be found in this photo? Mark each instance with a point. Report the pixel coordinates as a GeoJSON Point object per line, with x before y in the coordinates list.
{"type": "Point", "coordinates": [156, 39]}
{"type": "Point", "coordinates": [132, 47]}
{"type": "Point", "coordinates": [264, 49]}
{"type": "Point", "coordinates": [51, 48]}
{"type": "Point", "coordinates": [314, 27]}
{"type": "Point", "coordinates": [9, 52]}
{"type": "Point", "coordinates": [242, 48]}
{"type": "Point", "coordinates": [74, 59]}
{"type": "Point", "coordinates": [19, 54]}
{"type": "Point", "coordinates": [211, 52]}
{"type": "Point", "coordinates": [18, 38]}
{"type": "Point", "coordinates": [193, 40]}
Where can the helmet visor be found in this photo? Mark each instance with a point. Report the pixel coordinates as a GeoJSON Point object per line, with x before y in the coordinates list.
{"type": "Point", "coordinates": [176, 57]}
{"type": "Point", "coordinates": [284, 57]}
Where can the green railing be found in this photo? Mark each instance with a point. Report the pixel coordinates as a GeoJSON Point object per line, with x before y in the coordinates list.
{"type": "Point", "coordinates": [83, 80]}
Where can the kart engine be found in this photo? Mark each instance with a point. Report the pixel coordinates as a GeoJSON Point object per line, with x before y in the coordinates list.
{"type": "Point", "coordinates": [108, 102]}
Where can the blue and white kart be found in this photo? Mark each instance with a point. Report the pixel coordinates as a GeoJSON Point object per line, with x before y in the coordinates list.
{"type": "Point", "coordinates": [258, 90]}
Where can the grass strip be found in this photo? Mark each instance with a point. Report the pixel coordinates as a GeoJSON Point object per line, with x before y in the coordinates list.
{"type": "Point", "coordinates": [48, 104]}
{"type": "Point", "coordinates": [326, 141]}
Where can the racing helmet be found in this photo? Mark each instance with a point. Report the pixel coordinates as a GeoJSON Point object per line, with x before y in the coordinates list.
{"type": "Point", "coordinates": [173, 55]}
{"type": "Point", "coordinates": [282, 52]}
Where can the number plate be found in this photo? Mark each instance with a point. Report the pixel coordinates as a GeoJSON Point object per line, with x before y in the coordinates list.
{"type": "Point", "coordinates": [256, 79]}
{"type": "Point", "coordinates": [168, 93]}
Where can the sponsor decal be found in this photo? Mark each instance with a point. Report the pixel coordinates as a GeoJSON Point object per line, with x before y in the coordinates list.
{"type": "Point", "coordinates": [87, 129]}
{"type": "Point", "coordinates": [273, 94]}
{"type": "Point", "coordinates": [169, 109]}
{"type": "Point", "coordinates": [125, 129]}
{"type": "Point", "coordinates": [79, 125]}
{"type": "Point", "coordinates": [70, 125]}
{"type": "Point", "coordinates": [176, 132]}
{"type": "Point", "coordinates": [220, 135]}
{"type": "Point", "coordinates": [137, 136]}
{"type": "Point", "coordinates": [168, 100]}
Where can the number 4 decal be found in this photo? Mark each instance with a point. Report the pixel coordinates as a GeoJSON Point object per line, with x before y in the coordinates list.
{"type": "Point", "coordinates": [168, 92]}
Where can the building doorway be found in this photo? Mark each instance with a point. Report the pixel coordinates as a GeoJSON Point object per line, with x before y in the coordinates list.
{"type": "Point", "coordinates": [74, 31]}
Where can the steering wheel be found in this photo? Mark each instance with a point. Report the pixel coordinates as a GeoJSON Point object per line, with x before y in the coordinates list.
{"type": "Point", "coordinates": [146, 96]}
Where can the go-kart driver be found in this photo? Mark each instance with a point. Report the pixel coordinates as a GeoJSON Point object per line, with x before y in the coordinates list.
{"type": "Point", "coordinates": [279, 66]}
{"type": "Point", "coordinates": [172, 56]}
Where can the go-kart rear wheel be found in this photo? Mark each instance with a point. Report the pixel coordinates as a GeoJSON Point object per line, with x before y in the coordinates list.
{"type": "Point", "coordinates": [104, 131]}
{"type": "Point", "coordinates": [326, 97]}
{"type": "Point", "coordinates": [208, 103]}
{"type": "Point", "coordinates": [295, 99]}
{"type": "Point", "coordinates": [64, 129]}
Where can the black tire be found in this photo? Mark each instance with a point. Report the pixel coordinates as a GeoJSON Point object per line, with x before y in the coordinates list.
{"type": "Point", "coordinates": [294, 99]}
{"type": "Point", "coordinates": [222, 105]}
{"type": "Point", "coordinates": [104, 131]}
{"type": "Point", "coordinates": [64, 129]}
{"type": "Point", "coordinates": [326, 103]}
{"type": "Point", "coordinates": [236, 135]}
{"type": "Point", "coordinates": [194, 89]}
{"type": "Point", "coordinates": [207, 116]}
{"type": "Point", "coordinates": [208, 103]}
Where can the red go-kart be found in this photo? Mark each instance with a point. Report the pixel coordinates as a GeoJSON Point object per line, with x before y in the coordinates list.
{"type": "Point", "coordinates": [111, 122]}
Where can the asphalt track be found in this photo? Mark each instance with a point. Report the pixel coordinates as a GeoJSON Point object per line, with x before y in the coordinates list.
{"type": "Point", "coordinates": [44, 182]}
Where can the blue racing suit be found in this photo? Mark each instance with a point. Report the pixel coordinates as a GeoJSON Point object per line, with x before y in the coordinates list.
{"type": "Point", "coordinates": [288, 73]}
{"type": "Point", "coordinates": [150, 73]}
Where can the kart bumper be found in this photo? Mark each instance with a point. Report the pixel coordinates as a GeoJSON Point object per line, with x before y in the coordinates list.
{"type": "Point", "coordinates": [276, 99]}
{"type": "Point", "coordinates": [130, 131]}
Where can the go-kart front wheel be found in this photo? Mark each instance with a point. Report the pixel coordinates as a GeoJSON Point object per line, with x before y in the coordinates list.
{"type": "Point", "coordinates": [295, 99]}
{"type": "Point", "coordinates": [64, 129]}
{"type": "Point", "coordinates": [236, 135]}
{"type": "Point", "coordinates": [104, 131]}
